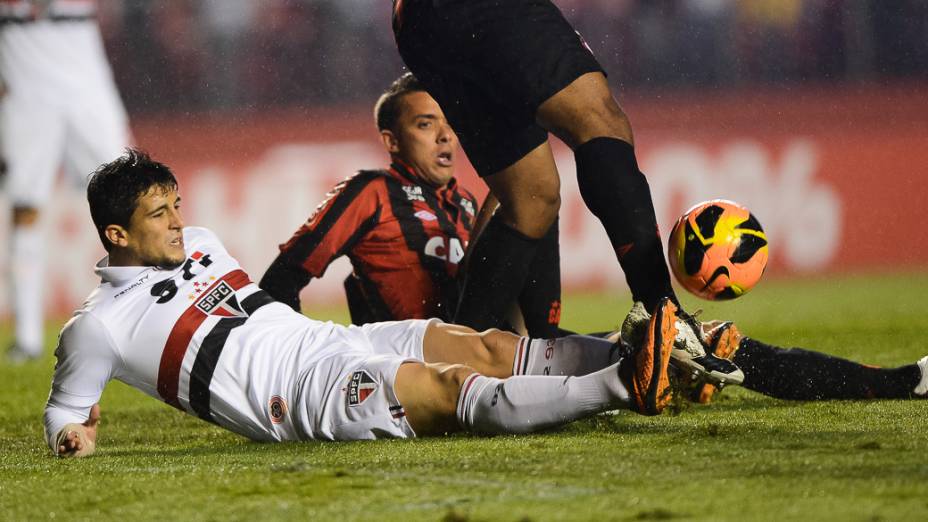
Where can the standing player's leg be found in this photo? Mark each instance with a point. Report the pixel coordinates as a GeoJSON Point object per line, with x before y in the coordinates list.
{"type": "Point", "coordinates": [470, 57]}
{"type": "Point", "coordinates": [586, 116]}
{"type": "Point", "coordinates": [540, 300]}
{"type": "Point", "coordinates": [31, 136]}
{"type": "Point", "coordinates": [496, 81]}
{"type": "Point", "coordinates": [539, 303]}
{"type": "Point", "coordinates": [27, 267]}
{"type": "Point", "coordinates": [500, 258]}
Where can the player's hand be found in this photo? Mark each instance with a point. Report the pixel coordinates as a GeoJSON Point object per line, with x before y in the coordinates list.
{"type": "Point", "coordinates": [78, 440]}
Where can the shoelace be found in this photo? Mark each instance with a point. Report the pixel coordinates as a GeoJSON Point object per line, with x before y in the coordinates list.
{"type": "Point", "coordinates": [692, 321]}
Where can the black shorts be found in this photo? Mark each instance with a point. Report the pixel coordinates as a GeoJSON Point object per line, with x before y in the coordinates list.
{"type": "Point", "coordinates": [490, 64]}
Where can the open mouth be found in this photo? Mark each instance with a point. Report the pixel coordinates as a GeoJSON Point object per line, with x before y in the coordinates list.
{"type": "Point", "coordinates": [446, 159]}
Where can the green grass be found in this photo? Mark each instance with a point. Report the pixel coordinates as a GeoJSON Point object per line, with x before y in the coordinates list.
{"type": "Point", "coordinates": [746, 457]}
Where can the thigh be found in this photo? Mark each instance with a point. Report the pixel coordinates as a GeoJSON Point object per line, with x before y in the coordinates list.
{"type": "Point", "coordinates": [491, 352]}
{"type": "Point", "coordinates": [31, 139]}
{"type": "Point", "coordinates": [584, 110]}
{"type": "Point", "coordinates": [530, 181]}
{"type": "Point", "coordinates": [351, 396]}
{"type": "Point", "coordinates": [491, 134]}
{"type": "Point", "coordinates": [518, 52]}
{"type": "Point", "coordinates": [402, 338]}
{"type": "Point", "coordinates": [485, 64]}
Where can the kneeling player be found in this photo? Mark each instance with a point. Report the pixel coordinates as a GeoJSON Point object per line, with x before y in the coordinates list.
{"type": "Point", "coordinates": [175, 317]}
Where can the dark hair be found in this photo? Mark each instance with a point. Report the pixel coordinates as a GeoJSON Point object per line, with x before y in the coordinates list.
{"type": "Point", "coordinates": [387, 108]}
{"type": "Point", "coordinates": [115, 188]}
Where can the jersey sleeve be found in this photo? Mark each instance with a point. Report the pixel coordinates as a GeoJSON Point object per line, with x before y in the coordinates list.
{"type": "Point", "coordinates": [349, 211]}
{"type": "Point", "coordinates": [87, 360]}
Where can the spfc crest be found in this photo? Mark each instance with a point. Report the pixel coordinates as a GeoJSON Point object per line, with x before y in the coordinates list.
{"type": "Point", "coordinates": [361, 386]}
{"type": "Point", "coordinates": [221, 301]}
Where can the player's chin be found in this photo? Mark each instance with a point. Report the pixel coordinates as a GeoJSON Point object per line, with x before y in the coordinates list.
{"type": "Point", "coordinates": [441, 175]}
{"type": "Point", "coordinates": [172, 260]}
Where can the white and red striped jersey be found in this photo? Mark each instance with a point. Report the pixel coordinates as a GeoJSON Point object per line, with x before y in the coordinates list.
{"type": "Point", "coordinates": [201, 337]}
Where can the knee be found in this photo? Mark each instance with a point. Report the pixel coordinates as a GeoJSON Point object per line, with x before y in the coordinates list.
{"type": "Point", "coordinates": [492, 353]}
{"type": "Point", "coordinates": [585, 110]}
{"type": "Point", "coordinates": [604, 118]}
{"type": "Point", "coordinates": [429, 393]}
{"type": "Point", "coordinates": [499, 348]}
{"type": "Point", "coordinates": [449, 379]}
{"type": "Point", "coordinates": [452, 376]}
{"type": "Point", "coordinates": [533, 211]}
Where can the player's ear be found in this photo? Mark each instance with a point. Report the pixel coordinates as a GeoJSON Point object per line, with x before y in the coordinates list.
{"type": "Point", "coordinates": [116, 235]}
{"type": "Point", "coordinates": [389, 141]}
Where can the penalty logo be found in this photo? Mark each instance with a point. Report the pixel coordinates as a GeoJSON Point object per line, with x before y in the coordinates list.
{"type": "Point", "coordinates": [361, 386]}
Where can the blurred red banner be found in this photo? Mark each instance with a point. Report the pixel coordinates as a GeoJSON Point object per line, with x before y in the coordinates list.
{"type": "Point", "coordinates": [838, 178]}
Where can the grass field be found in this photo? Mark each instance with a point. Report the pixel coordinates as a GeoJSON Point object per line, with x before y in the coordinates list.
{"type": "Point", "coordinates": [746, 457]}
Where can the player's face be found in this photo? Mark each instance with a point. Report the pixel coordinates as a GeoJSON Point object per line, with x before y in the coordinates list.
{"type": "Point", "coordinates": [155, 235]}
{"type": "Point", "coordinates": [423, 139]}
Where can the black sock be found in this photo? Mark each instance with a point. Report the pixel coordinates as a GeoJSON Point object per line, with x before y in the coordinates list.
{"type": "Point", "coordinates": [496, 271]}
{"type": "Point", "coordinates": [803, 375]}
{"type": "Point", "coordinates": [618, 194]}
{"type": "Point", "coordinates": [540, 300]}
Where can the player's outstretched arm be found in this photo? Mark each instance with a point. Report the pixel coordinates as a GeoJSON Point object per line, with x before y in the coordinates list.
{"type": "Point", "coordinates": [79, 440]}
{"type": "Point", "coordinates": [86, 362]}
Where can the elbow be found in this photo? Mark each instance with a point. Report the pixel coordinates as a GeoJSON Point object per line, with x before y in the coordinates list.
{"type": "Point", "coordinates": [283, 282]}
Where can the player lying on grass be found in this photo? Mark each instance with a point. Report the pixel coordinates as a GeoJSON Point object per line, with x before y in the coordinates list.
{"type": "Point", "coordinates": [175, 317]}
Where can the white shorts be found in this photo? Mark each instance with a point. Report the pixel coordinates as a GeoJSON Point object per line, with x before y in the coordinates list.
{"type": "Point", "coordinates": [63, 114]}
{"type": "Point", "coordinates": [350, 395]}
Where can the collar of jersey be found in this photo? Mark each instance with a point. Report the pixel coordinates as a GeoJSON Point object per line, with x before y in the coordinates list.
{"type": "Point", "coordinates": [405, 173]}
{"type": "Point", "coordinates": [118, 275]}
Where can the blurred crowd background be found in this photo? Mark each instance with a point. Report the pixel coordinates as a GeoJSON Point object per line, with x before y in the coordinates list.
{"type": "Point", "coordinates": [241, 55]}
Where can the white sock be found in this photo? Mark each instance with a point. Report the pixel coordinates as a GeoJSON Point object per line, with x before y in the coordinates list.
{"type": "Point", "coordinates": [27, 258]}
{"type": "Point", "coordinates": [571, 355]}
{"type": "Point", "coordinates": [530, 403]}
{"type": "Point", "coordinates": [922, 387]}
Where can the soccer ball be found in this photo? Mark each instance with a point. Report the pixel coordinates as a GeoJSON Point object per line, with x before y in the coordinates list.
{"type": "Point", "coordinates": [717, 250]}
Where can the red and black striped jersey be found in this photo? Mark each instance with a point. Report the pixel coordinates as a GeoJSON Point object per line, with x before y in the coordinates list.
{"type": "Point", "coordinates": [404, 239]}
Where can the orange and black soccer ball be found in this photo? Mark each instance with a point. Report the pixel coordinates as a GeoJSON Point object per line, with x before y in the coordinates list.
{"type": "Point", "coordinates": [718, 250]}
